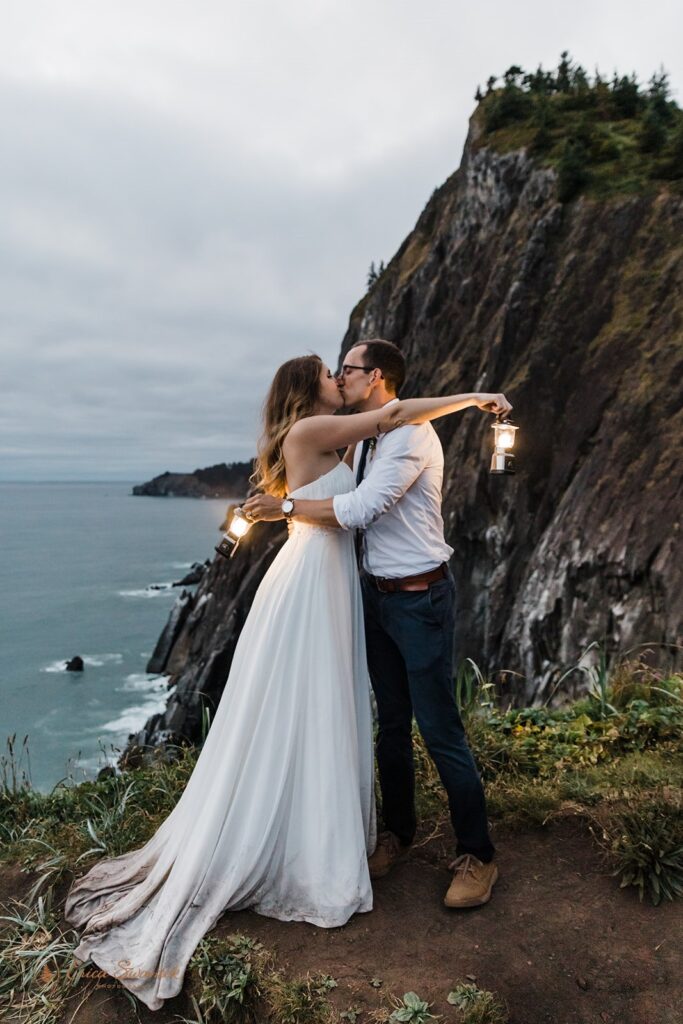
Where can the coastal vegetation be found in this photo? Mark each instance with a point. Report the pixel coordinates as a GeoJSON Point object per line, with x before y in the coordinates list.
{"type": "Point", "coordinates": [603, 135]}
{"type": "Point", "coordinates": [611, 760]}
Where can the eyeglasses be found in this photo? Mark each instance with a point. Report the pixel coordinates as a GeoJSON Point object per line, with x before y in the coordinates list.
{"type": "Point", "coordinates": [349, 366]}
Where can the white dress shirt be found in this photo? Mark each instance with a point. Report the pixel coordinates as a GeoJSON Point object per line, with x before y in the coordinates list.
{"type": "Point", "coordinates": [398, 503]}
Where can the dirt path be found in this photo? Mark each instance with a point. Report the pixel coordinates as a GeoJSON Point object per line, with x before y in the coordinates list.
{"type": "Point", "coordinates": [558, 941]}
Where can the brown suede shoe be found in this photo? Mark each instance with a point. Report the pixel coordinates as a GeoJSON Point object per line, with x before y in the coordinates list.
{"type": "Point", "coordinates": [472, 881]}
{"type": "Point", "coordinates": [389, 851]}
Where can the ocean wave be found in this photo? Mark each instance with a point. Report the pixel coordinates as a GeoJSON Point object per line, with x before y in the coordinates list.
{"type": "Point", "coordinates": [149, 591]}
{"type": "Point", "coordinates": [102, 659]}
{"type": "Point", "coordinates": [144, 681]}
{"type": "Point", "coordinates": [95, 660]}
{"type": "Point", "coordinates": [133, 718]}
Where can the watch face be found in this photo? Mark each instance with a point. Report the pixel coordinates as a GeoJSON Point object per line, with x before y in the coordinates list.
{"type": "Point", "coordinates": [287, 506]}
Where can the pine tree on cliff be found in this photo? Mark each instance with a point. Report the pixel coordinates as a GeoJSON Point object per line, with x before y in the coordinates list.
{"type": "Point", "coordinates": [563, 78]}
{"type": "Point", "coordinates": [540, 82]}
{"type": "Point", "coordinates": [659, 95]}
{"type": "Point", "coordinates": [626, 97]}
{"type": "Point", "coordinates": [374, 273]}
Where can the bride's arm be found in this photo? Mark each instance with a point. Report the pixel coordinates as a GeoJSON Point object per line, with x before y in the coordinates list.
{"type": "Point", "coordinates": [421, 410]}
{"type": "Point", "coordinates": [328, 433]}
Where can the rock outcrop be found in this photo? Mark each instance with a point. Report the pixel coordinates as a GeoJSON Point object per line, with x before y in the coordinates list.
{"type": "Point", "coordinates": [575, 311]}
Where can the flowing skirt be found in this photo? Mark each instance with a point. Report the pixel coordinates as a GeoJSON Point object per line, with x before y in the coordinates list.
{"type": "Point", "coordinates": [278, 814]}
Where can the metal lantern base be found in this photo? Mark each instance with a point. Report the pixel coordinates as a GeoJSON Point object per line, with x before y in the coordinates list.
{"type": "Point", "coordinates": [227, 547]}
{"type": "Point", "coordinates": [502, 462]}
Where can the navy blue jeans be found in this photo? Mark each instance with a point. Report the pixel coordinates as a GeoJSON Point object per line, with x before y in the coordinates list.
{"type": "Point", "coordinates": [409, 638]}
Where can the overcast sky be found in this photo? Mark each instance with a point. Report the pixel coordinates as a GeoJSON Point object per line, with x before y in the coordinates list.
{"type": "Point", "coordinates": [192, 192]}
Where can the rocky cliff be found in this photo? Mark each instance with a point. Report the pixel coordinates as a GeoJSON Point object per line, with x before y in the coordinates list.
{"type": "Point", "coordinates": [574, 309]}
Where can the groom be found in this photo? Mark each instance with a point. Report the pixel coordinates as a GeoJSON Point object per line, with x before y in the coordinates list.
{"type": "Point", "coordinates": [408, 600]}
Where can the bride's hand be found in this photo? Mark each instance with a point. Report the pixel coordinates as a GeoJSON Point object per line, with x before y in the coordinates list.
{"type": "Point", "coordinates": [263, 508]}
{"type": "Point", "coordinates": [495, 403]}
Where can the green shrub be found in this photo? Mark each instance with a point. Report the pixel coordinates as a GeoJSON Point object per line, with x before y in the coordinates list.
{"type": "Point", "coordinates": [411, 1010]}
{"type": "Point", "coordinates": [652, 132]}
{"type": "Point", "coordinates": [507, 106]}
{"type": "Point", "coordinates": [228, 974]}
{"type": "Point", "coordinates": [302, 1000]}
{"type": "Point", "coordinates": [647, 851]}
{"type": "Point", "coordinates": [671, 166]}
{"type": "Point", "coordinates": [574, 124]}
{"type": "Point", "coordinates": [572, 170]}
{"type": "Point", "coordinates": [478, 1006]}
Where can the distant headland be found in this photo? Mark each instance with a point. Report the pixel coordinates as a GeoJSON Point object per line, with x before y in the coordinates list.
{"type": "Point", "coordinates": [224, 480]}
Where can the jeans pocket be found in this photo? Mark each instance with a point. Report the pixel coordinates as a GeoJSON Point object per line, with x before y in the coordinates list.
{"type": "Point", "coordinates": [441, 599]}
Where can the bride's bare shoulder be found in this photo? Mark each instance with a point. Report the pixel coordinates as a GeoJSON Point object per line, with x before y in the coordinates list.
{"type": "Point", "coordinates": [306, 430]}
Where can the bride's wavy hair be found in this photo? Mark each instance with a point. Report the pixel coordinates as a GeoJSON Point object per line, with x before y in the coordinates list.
{"type": "Point", "coordinates": [293, 395]}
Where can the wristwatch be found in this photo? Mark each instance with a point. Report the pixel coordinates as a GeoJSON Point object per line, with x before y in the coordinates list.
{"type": "Point", "coordinates": [287, 508]}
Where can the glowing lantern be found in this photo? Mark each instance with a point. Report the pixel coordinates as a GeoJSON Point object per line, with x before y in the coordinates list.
{"type": "Point", "coordinates": [502, 460]}
{"type": "Point", "coordinates": [240, 525]}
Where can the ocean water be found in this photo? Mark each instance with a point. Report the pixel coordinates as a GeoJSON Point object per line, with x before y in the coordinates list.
{"type": "Point", "coordinates": [78, 561]}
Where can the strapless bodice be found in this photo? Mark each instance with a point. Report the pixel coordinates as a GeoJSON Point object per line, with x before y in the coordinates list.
{"type": "Point", "coordinates": [337, 480]}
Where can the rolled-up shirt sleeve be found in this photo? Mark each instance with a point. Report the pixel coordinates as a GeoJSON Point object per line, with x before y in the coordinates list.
{"type": "Point", "coordinates": [402, 458]}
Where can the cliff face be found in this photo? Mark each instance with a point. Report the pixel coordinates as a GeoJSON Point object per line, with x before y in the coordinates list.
{"type": "Point", "coordinates": [575, 312]}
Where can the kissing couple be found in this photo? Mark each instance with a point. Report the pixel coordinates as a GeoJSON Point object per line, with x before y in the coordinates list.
{"type": "Point", "coordinates": [278, 814]}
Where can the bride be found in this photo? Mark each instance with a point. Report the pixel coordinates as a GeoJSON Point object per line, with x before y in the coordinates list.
{"type": "Point", "coordinates": [279, 812]}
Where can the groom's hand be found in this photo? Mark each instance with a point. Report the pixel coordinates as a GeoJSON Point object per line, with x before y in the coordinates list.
{"type": "Point", "coordinates": [263, 508]}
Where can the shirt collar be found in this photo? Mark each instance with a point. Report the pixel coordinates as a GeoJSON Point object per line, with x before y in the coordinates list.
{"type": "Point", "coordinates": [379, 437]}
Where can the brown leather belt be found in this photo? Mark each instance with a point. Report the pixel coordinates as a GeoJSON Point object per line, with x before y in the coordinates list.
{"type": "Point", "coordinates": [422, 581]}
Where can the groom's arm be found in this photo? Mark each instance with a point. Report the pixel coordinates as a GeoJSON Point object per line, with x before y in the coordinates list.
{"type": "Point", "coordinates": [264, 508]}
{"type": "Point", "coordinates": [403, 457]}
{"type": "Point", "coordinates": [404, 454]}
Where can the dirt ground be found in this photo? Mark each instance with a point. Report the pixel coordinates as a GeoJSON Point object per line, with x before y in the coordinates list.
{"type": "Point", "coordinates": [558, 941]}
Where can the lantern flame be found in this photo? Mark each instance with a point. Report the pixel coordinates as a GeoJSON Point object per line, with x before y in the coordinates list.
{"type": "Point", "coordinates": [239, 525]}
{"type": "Point", "coordinates": [505, 438]}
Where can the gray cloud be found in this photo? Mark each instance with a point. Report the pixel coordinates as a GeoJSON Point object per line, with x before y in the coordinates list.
{"type": "Point", "coordinates": [192, 195]}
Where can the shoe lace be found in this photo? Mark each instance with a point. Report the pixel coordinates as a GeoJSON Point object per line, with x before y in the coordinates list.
{"type": "Point", "coordinates": [463, 863]}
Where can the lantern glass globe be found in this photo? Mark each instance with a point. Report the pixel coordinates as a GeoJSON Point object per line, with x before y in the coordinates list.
{"type": "Point", "coordinates": [239, 525]}
{"type": "Point", "coordinates": [505, 438]}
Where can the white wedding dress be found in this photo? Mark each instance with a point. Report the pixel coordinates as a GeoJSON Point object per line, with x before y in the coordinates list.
{"type": "Point", "coordinates": [279, 812]}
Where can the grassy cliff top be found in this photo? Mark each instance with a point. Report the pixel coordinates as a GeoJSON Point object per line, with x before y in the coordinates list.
{"type": "Point", "coordinates": [605, 770]}
{"type": "Point", "coordinates": [604, 136]}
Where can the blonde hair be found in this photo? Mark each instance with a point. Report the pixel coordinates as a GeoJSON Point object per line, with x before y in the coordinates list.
{"type": "Point", "coordinates": [293, 395]}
